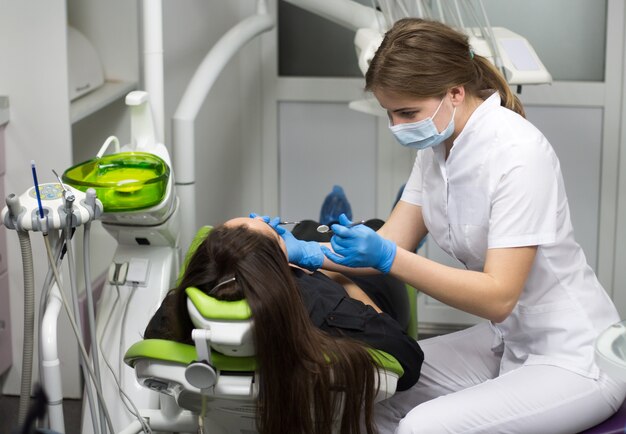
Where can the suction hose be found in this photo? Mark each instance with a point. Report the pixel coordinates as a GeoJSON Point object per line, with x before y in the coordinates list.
{"type": "Point", "coordinates": [29, 325]}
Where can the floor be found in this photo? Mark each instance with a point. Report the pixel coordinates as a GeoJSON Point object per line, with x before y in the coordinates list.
{"type": "Point", "coordinates": [9, 407]}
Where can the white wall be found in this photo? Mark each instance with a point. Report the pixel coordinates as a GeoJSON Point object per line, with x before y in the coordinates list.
{"type": "Point", "coordinates": [229, 123]}
{"type": "Point", "coordinates": [321, 145]}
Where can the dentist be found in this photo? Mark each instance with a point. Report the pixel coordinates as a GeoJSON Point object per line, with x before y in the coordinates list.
{"type": "Point", "coordinates": [487, 186]}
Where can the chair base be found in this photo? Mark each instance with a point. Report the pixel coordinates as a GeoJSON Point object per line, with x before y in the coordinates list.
{"type": "Point", "coordinates": [615, 424]}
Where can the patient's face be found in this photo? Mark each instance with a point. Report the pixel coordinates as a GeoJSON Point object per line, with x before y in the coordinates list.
{"type": "Point", "coordinates": [257, 224]}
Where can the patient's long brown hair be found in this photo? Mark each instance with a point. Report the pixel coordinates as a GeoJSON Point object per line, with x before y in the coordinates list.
{"type": "Point", "coordinates": [300, 367]}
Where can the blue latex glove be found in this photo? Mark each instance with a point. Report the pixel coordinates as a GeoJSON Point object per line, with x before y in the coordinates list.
{"type": "Point", "coordinates": [273, 222]}
{"type": "Point", "coordinates": [360, 246]}
{"type": "Point", "coordinates": [306, 254]}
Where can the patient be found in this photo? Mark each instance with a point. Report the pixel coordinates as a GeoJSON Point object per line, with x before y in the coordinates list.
{"type": "Point", "coordinates": [308, 328]}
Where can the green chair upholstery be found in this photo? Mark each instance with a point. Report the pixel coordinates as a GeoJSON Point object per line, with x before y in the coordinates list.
{"type": "Point", "coordinates": [214, 309]}
{"type": "Point", "coordinates": [184, 354]}
{"type": "Point", "coordinates": [412, 329]}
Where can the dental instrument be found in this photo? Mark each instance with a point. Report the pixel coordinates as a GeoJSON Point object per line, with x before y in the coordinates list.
{"type": "Point", "coordinates": [34, 171]}
{"type": "Point", "coordinates": [56, 175]}
{"type": "Point", "coordinates": [322, 229]}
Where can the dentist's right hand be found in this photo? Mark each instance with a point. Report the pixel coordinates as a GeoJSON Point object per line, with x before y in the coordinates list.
{"type": "Point", "coordinates": [305, 254]}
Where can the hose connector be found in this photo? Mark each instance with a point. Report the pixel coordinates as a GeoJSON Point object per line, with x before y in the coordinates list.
{"type": "Point", "coordinates": [11, 217]}
{"type": "Point", "coordinates": [43, 224]}
{"type": "Point", "coordinates": [69, 200]}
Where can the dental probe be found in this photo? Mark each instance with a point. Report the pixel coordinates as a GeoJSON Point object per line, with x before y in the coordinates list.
{"type": "Point", "coordinates": [60, 182]}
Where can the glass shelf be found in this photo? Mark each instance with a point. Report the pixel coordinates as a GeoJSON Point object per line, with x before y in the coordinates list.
{"type": "Point", "coordinates": [611, 351]}
{"type": "Point", "coordinates": [90, 103]}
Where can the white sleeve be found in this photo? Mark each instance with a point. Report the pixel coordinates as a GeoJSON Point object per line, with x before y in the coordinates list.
{"type": "Point", "coordinates": [413, 189]}
{"type": "Point", "coordinates": [525, 201]}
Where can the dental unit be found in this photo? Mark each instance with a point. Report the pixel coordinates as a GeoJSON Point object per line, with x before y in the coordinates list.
{"type": "Point", "coordinates": [134, 385]}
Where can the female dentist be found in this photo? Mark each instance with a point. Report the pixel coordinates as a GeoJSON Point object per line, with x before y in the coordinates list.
{"type": "Point", "coordinates": [487, 186]}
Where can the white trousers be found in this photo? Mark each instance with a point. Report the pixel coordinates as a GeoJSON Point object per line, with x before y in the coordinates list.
{"type": "Point", "coordinates": [459, 391]}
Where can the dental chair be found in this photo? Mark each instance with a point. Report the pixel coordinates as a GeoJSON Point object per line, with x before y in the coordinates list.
{"type": "Point", "coordinates": [213, 383]}
{"type": "Point", "coordinates": [610, 354]}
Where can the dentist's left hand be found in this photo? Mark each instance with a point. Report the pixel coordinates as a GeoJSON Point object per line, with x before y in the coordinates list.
{"type": "Point", "coordinates": [360, 246]}
{"type": "Point", "coordinates": [305, 254]}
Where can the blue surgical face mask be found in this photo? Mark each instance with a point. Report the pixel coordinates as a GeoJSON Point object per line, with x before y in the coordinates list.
{"type": "Point", "coordinates": [422, 134]}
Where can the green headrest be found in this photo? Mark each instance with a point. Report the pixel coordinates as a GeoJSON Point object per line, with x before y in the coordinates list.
{"type": "Point", "coordinates": [202, 233]}
{"type": "Point", "coordinates": [208, 306]}
{"type": "Point", "coordinates": [213, 308]}
{"type": "Point", "coordinates": [184, 354]}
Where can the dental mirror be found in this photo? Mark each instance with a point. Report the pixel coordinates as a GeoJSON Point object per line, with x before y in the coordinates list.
{"type": "Point", "coordinates": [322, 229]}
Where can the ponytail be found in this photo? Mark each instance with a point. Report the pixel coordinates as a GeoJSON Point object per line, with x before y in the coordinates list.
{"type": "Point", "coordinates": [489, 77]}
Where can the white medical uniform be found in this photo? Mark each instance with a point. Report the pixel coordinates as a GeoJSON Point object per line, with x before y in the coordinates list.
{"type": "Point", "coordinates": [534, 372]}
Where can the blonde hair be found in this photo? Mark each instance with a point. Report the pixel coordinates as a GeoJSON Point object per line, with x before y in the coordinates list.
{"type": "Point", "coordinates": [423, 59]}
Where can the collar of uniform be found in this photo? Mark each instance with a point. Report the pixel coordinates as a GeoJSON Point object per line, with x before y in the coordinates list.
{"type": "Point", "coordinates": [488, 104]}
